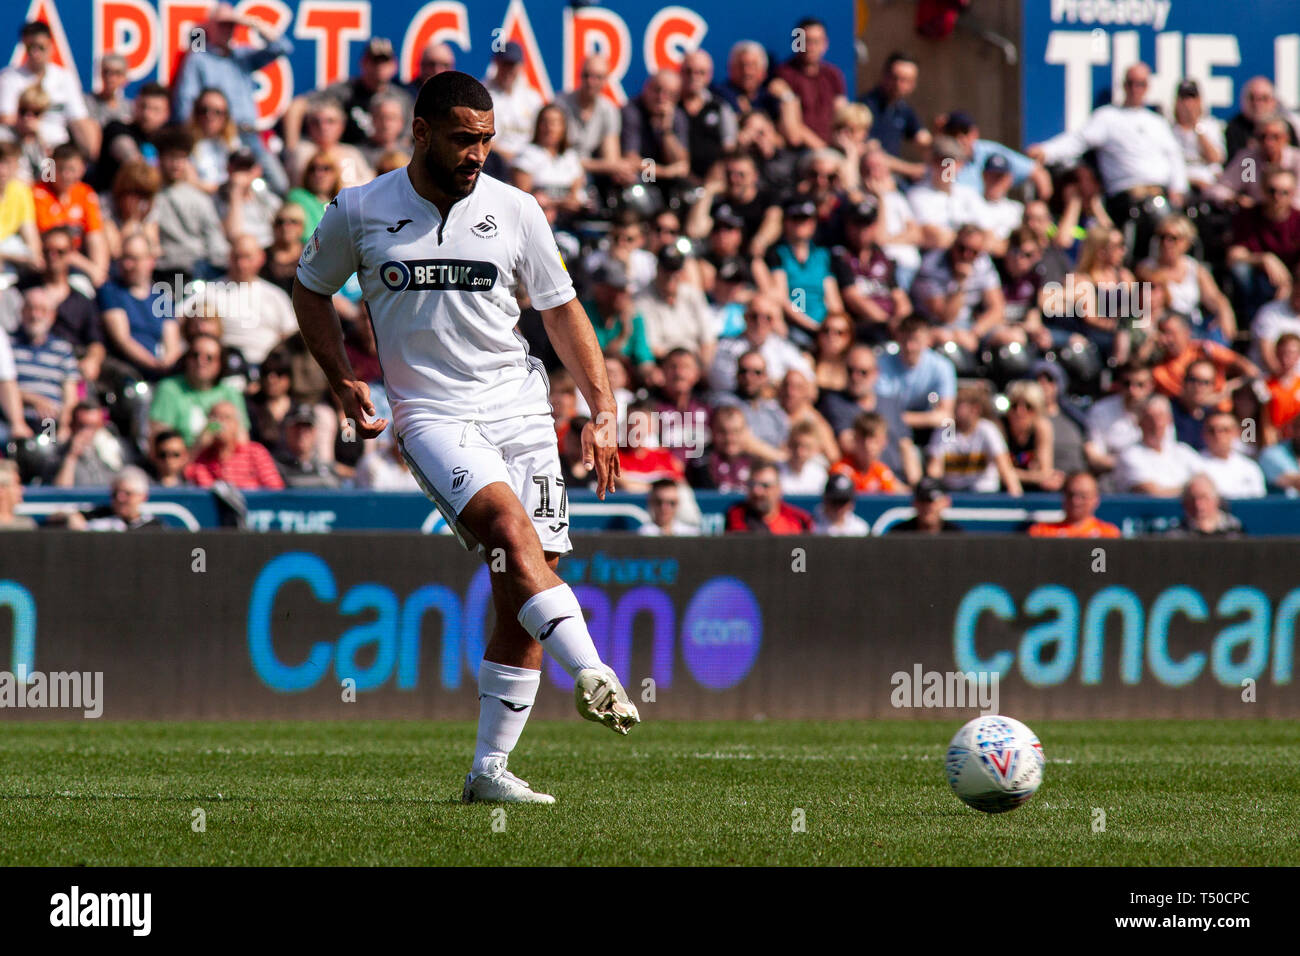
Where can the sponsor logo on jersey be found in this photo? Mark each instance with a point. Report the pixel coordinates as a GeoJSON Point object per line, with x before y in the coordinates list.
{"type": "Point", "coordinates": [485, 228]}
{"type": "Point", "coordinates": [400, 224]}
{"type": "Point", "coordinates": [438, 275]}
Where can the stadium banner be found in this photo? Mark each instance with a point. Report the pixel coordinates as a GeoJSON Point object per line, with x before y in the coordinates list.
{"type": "Point", "coordinates": [211, 626]}
{"type": "Point", "coordinates": [321, 511]}
{"type": "Point", "coordinates": [328, 36]}
{"type": "Point", "coordinates": [1074, 53]}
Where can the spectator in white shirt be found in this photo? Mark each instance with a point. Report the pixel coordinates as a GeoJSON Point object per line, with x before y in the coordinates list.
{"type": "Point", "coordinates": [256, 314]}
{"type": "Point", "coordinates": [383, 468]}
{"type": "Point", "coordinates": [1002, 214]}
{"type": "Point", "coordinates": [664, 503]}
{"type": "Point", "coordinates": [941, 204]}
{"type": "Point", "coordinates": [549, 167]}
{"type": "Point", "coordinates": [1199, 135]}
{"type": "Point", "coordinates": [1278, 317]}
{"type": "Point", "coordinates": [1136, 151]}
{"type": "Point", "coordinates": [675, 312]}
{"type": "Point", "coordinates": [1158, 464]}
{"type": "Point", "coordinates": [969, 453]}
{"type": "Point", "coordinates": [835, 516]}
{"type": "Point", "coordinates": [1234, 474]}
{"type": "Point", "coordinates": [1113, 420]}
{"type": "Point", "coordinates": [66, 117]}
{"type": "Point", "coordinates": [515, 104]}
{"type": "Point", "coordinates": [761, 318]}
{"type": "Point", "coordinates": [804, 472]}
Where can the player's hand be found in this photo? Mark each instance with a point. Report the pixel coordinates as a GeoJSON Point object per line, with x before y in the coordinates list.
{"type": "Point", "coordinates": [600, 451]}
{"type": "Point", "coordinates": [358, 409]}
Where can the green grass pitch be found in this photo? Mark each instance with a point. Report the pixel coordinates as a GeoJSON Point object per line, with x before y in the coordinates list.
{"type": "Point", "coordinates": [872, 793]}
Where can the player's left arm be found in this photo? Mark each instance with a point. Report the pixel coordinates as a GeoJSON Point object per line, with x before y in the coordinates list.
{"type": "Point", "coordinates": [576, 345]}
{"type": "Point", "coordinates": [546, 279]}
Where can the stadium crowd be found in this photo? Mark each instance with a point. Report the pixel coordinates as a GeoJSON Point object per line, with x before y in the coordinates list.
{"type": "Point", "coordinates": [797, 292]}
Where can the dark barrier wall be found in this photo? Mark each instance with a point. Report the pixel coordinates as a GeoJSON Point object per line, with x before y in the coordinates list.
{"type": "Point", "coordinates": [270, 626]}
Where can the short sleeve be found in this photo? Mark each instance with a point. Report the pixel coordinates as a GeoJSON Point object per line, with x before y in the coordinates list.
{"type": "Point", "coordinates": [8, 372]}
{"type": "Point", "coordinates": [947, 379]}
{"type": "Point", "coordinates": [541, 268]}
{"type": "Point", "coordinates": [330, 255]}
{"type": "Point", "coordinates": [94, 217]}
{"type": "Point", "coordinates": [993, 438]}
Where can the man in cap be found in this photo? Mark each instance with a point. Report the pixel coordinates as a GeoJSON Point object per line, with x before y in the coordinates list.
{"type": "Point", "coordinates": [614, 316]}
{"type": "Point", "coordinates": [222, 66]}
{"type": "Point", "coordinates": [1002, 214]}
{"type": "Point", "coordinates": [675, 313]}
{"type": "Point", "coordinates": [515, 104]}
{"type": "Point", "coordinates": [298, 460]}
{"type": "Point", "coordinates": [865, 275]}
{"type": "Point", "coordinates": [378, 70]}
{"type": "Point", "coordinates": [835, 516]}
{"type": "Point", "coordinates": [961, 126]}
{"type": "Point", "coordinates": [930, 501]}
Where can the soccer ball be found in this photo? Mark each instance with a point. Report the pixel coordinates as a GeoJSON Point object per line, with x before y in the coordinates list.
{"type": "Point", "coordinates": [994, 764]}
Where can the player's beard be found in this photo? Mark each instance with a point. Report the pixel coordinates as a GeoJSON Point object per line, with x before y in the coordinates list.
{"type": "Point", "coordinates": [446, 179]}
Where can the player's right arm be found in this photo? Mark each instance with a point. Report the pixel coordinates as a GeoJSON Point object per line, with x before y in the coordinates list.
{"type": "Point", "coordinates": [328, 259]}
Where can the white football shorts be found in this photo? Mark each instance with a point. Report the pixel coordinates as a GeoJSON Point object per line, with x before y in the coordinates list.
{"type": "Point", "coordinates": [453, 460]}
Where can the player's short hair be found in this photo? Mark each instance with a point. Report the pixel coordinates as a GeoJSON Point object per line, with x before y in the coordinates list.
{"type": "Point", "coordinates": [34, 98]}
{"type": "Point", "coordinates": [659, 484]}
{"type": "Point", "coordinates": [911, 325]}
{"type": "Point", "coordinates": [173, 139]}
{"type": "Point", "coordinates": [66, 151]}
{"type": "Point", "coordinates": [448, 90]}
{"type": "Point", "coordinates": [801, 428]}
{"type": "Point", "coordinates": [136, 176]}
{"type": "Point", "coordinates": [869, 424]}
{"type": "Point", "coordinates": [60, 230]}
{"type": "Point", "coordinates": [153, 89]}
{"type": "Point", "coordinates": [899, 56]}
{"type": "Point", "coordinates": [728, 413]}
{"type": "Point", "coordinates": [34, 29]}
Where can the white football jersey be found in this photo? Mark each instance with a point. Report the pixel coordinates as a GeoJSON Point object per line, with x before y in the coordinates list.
{"type": "Point", "coordinates": [441, 294]}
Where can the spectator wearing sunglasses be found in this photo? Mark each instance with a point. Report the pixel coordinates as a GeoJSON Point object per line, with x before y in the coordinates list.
{"type": "Point", "coordinates": [65, 117]}
{"type": "Point", "coordinates": [1265, 248]}
{"type": "Point", "coordinates": [109, 104]}
{"type": "Point", "coordinates": [168, 457]}
{"type": "Point", "coordinates": [181, 402]}
{"type": "Point", "coordinates": [763, 511]}
{"type": "Point", "coordinates": [960, 292]}
{"type": "Point", "coordinates": [1079, 501]}
{"type": "Point", "coordinates": [664, 504]}
{"type": "Point", "coordinates": [1235, 474]}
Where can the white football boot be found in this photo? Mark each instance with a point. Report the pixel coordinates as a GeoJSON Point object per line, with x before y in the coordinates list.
{"type": "Point", "coordinates": [499, 785]}
{"type": "Point", "coordinates": [600, 697]}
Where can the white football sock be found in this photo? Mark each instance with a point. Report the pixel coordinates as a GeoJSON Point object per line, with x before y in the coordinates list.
{"type": "Point", "coordinates": [555, 619]}
{"type": "Point", "coordinates": [505, 699]}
